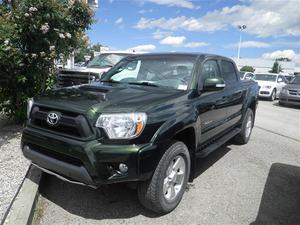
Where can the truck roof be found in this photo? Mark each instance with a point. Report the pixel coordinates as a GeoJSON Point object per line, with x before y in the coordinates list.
{"type": "Point", "coordinates": [191, 54]}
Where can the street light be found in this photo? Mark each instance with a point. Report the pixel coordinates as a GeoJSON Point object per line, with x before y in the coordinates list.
{"type": "Point", "coordinates": [241, 28]}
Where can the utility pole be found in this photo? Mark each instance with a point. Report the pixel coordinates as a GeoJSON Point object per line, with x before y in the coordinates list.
{"type": "Point", "coordinates": [241, 28]}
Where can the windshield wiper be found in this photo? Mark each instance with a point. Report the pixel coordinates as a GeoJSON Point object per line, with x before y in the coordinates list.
{"type": "Point", "coordinates": [98, 66]}
{"type": "Point", "coordinates": [144, 83]}
{"type": "Point", "coordinates": [110, 81]}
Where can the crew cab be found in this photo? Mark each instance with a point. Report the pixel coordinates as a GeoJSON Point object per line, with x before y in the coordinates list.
{"type": "Point", "coordinates": [270, 85]}
{"type": "Point", "coordinates": [145, 122]}
{"type": "Point", "coordinates": [92, 72]}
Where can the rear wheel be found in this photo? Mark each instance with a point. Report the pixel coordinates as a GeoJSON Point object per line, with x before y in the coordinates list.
{"type": "Point", "coordinates": [273, 95]}
{"type": "Point", "coordinates": [247, 125]}
{"type": "Point", "coordinates": [163, 192]}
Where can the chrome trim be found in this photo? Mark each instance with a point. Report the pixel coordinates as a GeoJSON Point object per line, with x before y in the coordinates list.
{"type": "Point", "coordinates": [63, 178]}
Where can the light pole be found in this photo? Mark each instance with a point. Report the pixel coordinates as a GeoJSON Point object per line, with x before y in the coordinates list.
{"type": "Point", "coordinates": [241, 28]}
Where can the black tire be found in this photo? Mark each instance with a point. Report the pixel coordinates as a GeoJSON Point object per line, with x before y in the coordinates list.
{"type": "Point", "coordinates": [243, 137]}
{"type": "Point", "coordinates": [151, 194]}
{"type": "Point", "coordinates": [273, 95]}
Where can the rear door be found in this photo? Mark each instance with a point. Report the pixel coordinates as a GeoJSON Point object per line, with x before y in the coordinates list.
{"type": "Point", "coordinates": [234, 91]}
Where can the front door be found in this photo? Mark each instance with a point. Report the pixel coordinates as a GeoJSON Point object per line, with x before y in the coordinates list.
{"type": "Point", "coordinates": [211, 105]}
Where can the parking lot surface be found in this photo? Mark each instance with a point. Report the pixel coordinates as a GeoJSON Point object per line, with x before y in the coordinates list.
{"type": "Point", "coordinates": [257, 183]}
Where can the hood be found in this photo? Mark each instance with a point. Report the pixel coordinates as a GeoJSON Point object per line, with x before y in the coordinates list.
{"type": "Point", "coordinates": [293, 86]}
{"type": "Point", "coordinates": [87, 70]}
{"type": "Point", "coordinates": [264, 83]}
{"type": "Point", "coordinates": [106, 97]}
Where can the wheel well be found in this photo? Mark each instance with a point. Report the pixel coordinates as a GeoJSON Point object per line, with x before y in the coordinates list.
{"type": "Point", "coordinates": [253, 106]}
{"type": "Point", "coordinates": [187, 136]}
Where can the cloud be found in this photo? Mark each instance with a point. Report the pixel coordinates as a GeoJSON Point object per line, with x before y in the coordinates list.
{"type": "Point", "coordinates": [142, 48]}
{"type": "Point", "coordinates": [195, 44]}
{"type": "Point", "coordinates": [283, 54]}
{"type": "Point", "coordinates": [173, 40]}
{"type": "Point", "coordinates": [178, 3]}
{"type": "Point", "coordinates": [176, 23]}
{"type": "Point", "coordinates": [250, 44]}
{"type": "Point", "coordinates": [119, 20]}
{"type": "Point", "coordinates": [263, 18]}
{"type": "Point", "coordinates": [161, 34]}
{"type": "Point", "coordinates": [180, 41]}
{"type": "Point", "coordinates": [143, 11]}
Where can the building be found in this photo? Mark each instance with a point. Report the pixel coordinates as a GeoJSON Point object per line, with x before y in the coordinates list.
{"type": "Point", "coordinates": [92, 3]}
{"type": "Point", "coordinates": [264, 65]}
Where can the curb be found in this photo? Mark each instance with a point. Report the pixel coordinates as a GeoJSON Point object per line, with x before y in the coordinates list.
{"type": "Point", "coordinates": [23, 204]}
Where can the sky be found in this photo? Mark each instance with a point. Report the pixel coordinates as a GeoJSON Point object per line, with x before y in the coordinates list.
{"type": "Point", "coordinates": [208, 26]}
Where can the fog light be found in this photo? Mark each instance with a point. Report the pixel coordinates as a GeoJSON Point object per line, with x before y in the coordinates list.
{"type": "Point", "coordinates": [123, 168]}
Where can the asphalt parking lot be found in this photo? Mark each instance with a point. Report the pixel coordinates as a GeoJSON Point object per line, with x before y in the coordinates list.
{"type": "Point", "coordinates": [257, 183]}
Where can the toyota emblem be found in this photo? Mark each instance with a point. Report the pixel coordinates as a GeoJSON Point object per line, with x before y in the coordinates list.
{"type": "Point", "coordinates": [53, 118]}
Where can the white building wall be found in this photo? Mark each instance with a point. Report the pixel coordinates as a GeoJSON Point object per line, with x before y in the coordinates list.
{"type": "Point", "coordinates": [263, 65]}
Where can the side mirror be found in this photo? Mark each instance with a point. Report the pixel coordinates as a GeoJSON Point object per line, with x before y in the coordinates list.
{"type": "Point", "coordinates": [213, 84]}
{"type": "Point", "coordinates": [280, 80]}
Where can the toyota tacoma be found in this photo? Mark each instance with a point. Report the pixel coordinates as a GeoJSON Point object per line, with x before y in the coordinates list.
{"type": "Point", "coordinates": [146, 122]}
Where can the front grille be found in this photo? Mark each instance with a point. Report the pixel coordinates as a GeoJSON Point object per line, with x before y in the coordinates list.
{"type": "Point", "coordinates": [294, 92]}
{"type": "Point", "coordinates": [69, 123]}
{"type": "Point", "coordinates": [71, 78]}
{"type": "Point", "coordinates": [265, 92]}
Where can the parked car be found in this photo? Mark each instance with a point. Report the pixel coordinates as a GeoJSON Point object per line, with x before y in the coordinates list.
{"type": "Point", "coordinates": [147, 121]}
{"type": "Point", "coordinates": [290, 94]}
{"type": "Point", "coordinates": [93, 71]}
{"type": "Point", "coordinates": [289, 77]}
{"type": "Point", "coordinates": [270, 84]}
{"type": "Point", "coordinates": [246, 75]}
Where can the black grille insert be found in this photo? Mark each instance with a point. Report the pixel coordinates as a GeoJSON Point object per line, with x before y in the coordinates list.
{"type": "Point", "coordinates": [69, 123]}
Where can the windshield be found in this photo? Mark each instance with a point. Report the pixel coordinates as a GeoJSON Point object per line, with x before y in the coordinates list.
{"type": "Point", "coordinates": [167, 71]}
{"type": "Point", "coordinates": [105, 60]}
{"type": "Point", "coordinates": [265, 77]}
{"type": "Point", "coordinates": [296, 80]}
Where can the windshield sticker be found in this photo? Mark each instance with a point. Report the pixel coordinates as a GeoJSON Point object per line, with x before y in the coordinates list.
{"type": "Point", "coordinates": [182, 87]}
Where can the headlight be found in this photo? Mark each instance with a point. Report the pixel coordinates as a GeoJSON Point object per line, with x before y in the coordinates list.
{"type": "Point", "coordinates": [268, 87]}
{"type": "Point", "coordinates": [122, 125]}
{"type": "Point", "coordinates": [29, 107]}
{"type": "Point", "coordinates": [284, 91]}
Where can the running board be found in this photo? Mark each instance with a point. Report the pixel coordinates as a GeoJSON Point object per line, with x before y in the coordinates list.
{"type": "Point", "coordinates": [218, 143]}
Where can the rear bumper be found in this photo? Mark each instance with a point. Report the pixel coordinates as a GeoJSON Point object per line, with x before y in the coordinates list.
{"type": "Point", "coordinates": [88, 162]}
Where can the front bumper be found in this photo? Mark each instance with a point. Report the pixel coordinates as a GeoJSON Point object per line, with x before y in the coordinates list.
{"type": "Point", "coordinates": [265, 93]}
{"type": "Point", "coordinates": [289, 99]}
{"type": "Point", "coordinates": [88, 162]}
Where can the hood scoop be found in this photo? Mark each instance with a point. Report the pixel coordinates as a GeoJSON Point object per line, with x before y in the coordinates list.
{"type": "Point", "coordinates": [93, 88]}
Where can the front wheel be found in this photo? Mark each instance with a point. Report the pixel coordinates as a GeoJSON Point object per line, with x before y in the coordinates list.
{"type": "Point", "coordinates": [163, 192]}
{"type": "Point", "coordinates": [273, 95]}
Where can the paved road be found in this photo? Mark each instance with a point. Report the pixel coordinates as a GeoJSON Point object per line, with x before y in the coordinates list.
{"type": "Point", "coordinates": [257, 183]}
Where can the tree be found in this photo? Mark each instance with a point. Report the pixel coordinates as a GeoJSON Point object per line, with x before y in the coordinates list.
{"type": "Point", "coordinates": [32, 34]}
{"type": "Point", "coordinates": [247, 69]}
{"type": "Point", "coordinates": [284, 59]}
{"type": "Point", "coordinates": [86, 50]}
{"type": "Point", "coordinates": [276, 68]}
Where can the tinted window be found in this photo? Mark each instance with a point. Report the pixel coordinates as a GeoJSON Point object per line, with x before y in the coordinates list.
{"type": "Point", "coordinates": [209, 70]}
{"type": "Point", "coordinates": [228, 71]}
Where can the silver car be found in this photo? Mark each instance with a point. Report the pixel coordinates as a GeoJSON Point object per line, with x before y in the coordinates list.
{"type": "Point", "coordinates": [290, 94]}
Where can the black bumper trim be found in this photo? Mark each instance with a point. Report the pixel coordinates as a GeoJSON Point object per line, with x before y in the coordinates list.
{"type": "Point", "coordinates": [63, 169]}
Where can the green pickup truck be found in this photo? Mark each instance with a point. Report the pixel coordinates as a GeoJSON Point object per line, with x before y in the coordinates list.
{"type": "Point", "coordinates": [145, 122]}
